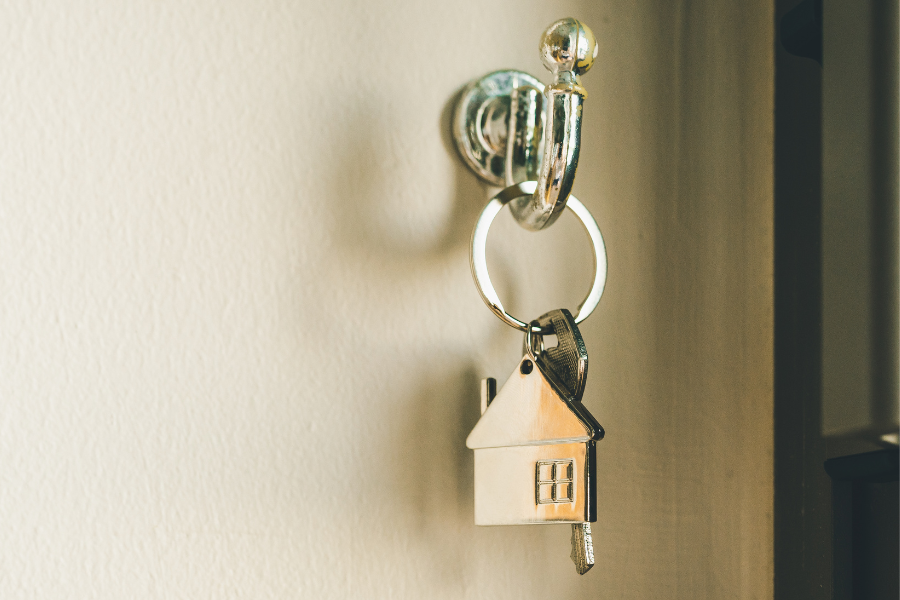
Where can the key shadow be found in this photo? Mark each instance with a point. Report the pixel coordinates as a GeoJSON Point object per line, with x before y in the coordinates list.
{"type": "Point", "coordinates": [397, 258]}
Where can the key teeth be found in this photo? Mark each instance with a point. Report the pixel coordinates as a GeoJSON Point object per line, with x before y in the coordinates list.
{"type": "Point", "coordinates": [582, 547]}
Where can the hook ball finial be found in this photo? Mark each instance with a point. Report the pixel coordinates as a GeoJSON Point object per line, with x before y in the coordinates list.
{"type": "Point", "coordinates": [568, 46]}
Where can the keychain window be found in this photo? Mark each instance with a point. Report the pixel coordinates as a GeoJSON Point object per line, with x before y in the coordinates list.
{"type": "Point", "coordinates": [553, 481]}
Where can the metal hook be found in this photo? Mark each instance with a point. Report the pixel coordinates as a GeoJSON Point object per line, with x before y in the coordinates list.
{"type": "Point", "coordinates": [503, 123]}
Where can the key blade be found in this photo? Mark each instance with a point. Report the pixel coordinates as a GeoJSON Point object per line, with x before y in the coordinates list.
{"type": "Point", "coordinates": [582, 547]}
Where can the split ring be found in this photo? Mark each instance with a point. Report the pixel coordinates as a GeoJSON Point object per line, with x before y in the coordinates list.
{"type": "Point", "coordinates": [478, 261]}
{"type": "Point", "coordinates": [529, 340]}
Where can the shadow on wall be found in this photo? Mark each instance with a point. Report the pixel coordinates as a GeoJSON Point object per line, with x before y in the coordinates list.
{"type": "Point", "coordinates": [375, 182]}
{"type": "Point", "coordinates": [436, 469]}
{"type": "Point", "coordinates": [400, 325]}
{"type": "Point", "coordinates": [397, 272]}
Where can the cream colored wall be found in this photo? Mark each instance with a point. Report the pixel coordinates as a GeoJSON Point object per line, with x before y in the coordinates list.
{"type": "Point", "coordinates": [240, 343]}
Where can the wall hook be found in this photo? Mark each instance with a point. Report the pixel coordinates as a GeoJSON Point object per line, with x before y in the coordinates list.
{"type": "Point", "coordinates": [509, 128]}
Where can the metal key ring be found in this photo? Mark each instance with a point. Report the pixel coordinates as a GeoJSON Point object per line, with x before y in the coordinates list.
{"type": "Point", "coordinates": [529, 340]}
{"type": "Point", "coordinates": [479, 264]}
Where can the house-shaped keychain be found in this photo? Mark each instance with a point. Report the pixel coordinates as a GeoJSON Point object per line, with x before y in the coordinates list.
{"type": "Point", "coordinates": [535, 444]}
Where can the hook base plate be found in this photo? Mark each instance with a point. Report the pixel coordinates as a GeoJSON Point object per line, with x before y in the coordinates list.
{"type": "Point", "coordinates": [481, 125]}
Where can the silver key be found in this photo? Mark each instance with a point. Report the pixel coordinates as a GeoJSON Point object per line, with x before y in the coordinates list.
{"type": "Point", "coordinates": [566, 363]}
{"type": "Point", "coordinates": [582, 547]}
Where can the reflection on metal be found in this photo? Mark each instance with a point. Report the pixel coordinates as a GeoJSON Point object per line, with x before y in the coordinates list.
{"type": "Point", "coordinates": [566, 363]}
{"type": "Point", "coordinates": [482, 121]}
{"type": "Point", "coordinates": [553, 481]}
{"type": "Point", "coordinates": [505, 484]}
{"type": "Point", "coordinates": [535, 444]}
{"type": "Point", "coordinates": [507, 119]}
{"type": "Point", "coordinates": [478, 260]}
{"type": "Point", "coordinates": [568, 49]}
{"type": "Point", "coordinates": [582, 548]}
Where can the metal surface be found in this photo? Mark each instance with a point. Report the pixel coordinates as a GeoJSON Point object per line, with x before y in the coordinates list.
{"type": "Point", "coordinates": [478, 261]}
{"type": "Point", "coordinates": [535, 444]}
{"type": "Point", "coordinates": [481, 126]}
{"type": "Point", "coordinates": [568, 49]}
{"type": "Point", "coordinates": [582, 548]}
{"type": "Point", "coordinates": [566, 363]}
{"type": "Point", "coordinates": [508, 128]}
{"type": "Point", "coordinates": [505, 485]}
{"type": "Point", "coordinates": [529, 409]}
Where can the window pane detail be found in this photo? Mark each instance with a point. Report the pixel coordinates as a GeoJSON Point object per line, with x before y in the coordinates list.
{"type": "Point", "coordinates": [554, 481]}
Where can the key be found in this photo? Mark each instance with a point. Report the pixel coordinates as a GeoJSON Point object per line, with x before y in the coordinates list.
{"type": "Point", "coordinates": [582, 547]}
{"type": "Point", "coordinates": [566, 365]}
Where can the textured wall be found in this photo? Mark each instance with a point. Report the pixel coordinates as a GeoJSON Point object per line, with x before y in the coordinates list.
{"type": "Point", "coordinates": [240, 343]}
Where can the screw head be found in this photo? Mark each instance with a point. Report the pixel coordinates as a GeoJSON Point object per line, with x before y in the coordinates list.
{"type": "Point", "coordinates": [568, 46]}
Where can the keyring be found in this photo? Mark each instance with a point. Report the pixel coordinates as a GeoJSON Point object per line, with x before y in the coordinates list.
{"type": "Point", "coordinates": [529, 340]}
{"type": "Point", "coordinates": [478, 261]}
